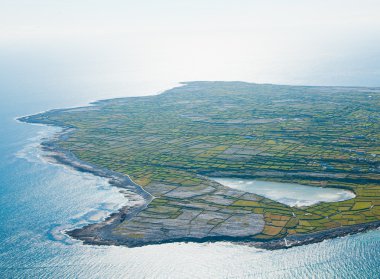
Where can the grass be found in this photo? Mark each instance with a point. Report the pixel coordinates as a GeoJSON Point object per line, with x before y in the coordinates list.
{"type": "Point", "coordinates": [317, 136]}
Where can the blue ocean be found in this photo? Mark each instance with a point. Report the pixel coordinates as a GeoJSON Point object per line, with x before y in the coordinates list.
{"type": "Point", "coordinates": [40, 200]}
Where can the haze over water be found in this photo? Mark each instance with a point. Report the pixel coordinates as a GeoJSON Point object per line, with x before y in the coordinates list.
{"type": "Point", "coordinates": [57, 54]}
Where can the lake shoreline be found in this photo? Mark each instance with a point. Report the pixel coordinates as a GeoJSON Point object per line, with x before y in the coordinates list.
{"type": "Point", "coordinates": [291, 194]}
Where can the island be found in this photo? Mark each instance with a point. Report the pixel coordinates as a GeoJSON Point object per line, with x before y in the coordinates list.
{"type": "Point", "coordinates": [163, 150]}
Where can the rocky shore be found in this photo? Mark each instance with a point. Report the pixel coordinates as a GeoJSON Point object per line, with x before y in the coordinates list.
{"type": "Point", "coordinates": [208, 212]}
{"type": "Point", "coordinates": [138, 198]}
{"type": "Point", "coordinates": [298, 240]}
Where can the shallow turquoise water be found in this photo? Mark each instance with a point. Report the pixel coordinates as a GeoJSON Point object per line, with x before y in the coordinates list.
{"type": "Point", "coordinates": [287, 193]}
{"type": "Point", "coordinates": [38, 201]}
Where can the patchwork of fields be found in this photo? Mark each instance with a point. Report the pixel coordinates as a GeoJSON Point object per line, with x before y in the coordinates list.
{"type": "Point", "coordinates": [170, 143]}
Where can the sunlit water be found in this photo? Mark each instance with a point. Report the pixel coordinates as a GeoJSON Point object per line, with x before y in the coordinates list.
{"type": "Point", "coordinates": [39, 200]}
{"type": "Point", "coordinates": [288, 193]}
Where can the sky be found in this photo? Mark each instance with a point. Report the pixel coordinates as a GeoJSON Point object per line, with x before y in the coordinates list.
{"type": "Point", "coordinates": [308, 42]}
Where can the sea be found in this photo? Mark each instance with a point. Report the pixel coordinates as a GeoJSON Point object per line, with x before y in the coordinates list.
{"type": "Point", "coordinates": [40, 200]}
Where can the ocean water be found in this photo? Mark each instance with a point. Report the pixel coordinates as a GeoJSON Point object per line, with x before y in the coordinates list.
{"type": "Point", "coordinates": [39, 201]}
{"type": "Point", "coordinates": [288, 193]}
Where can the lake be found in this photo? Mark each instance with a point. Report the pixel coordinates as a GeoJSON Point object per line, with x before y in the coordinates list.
{"type": "Point", "coordinates": [287, 193]}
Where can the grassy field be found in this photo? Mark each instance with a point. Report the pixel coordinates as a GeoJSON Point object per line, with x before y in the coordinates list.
{"type": "Point", "coordinates": [170, 143]}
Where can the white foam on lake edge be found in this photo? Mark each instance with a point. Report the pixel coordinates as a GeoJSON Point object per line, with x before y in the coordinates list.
{"type": "Point", "coordinates": [294, 195]}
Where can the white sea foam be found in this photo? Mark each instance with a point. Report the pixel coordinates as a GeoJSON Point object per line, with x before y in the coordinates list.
{"type": "Point", "coordinates": [32, 151]}
{"type": "Point", "coordinates": [112, 197]}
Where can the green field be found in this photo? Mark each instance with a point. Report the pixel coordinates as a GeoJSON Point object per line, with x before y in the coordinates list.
{"type": "Point", "coordinates": [170, 143]}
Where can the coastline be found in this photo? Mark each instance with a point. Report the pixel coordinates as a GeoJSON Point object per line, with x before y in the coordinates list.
{"type": "Point", "coordinates": [101, 233]}
{"type": "Point", "coordinates": [139, 198]}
